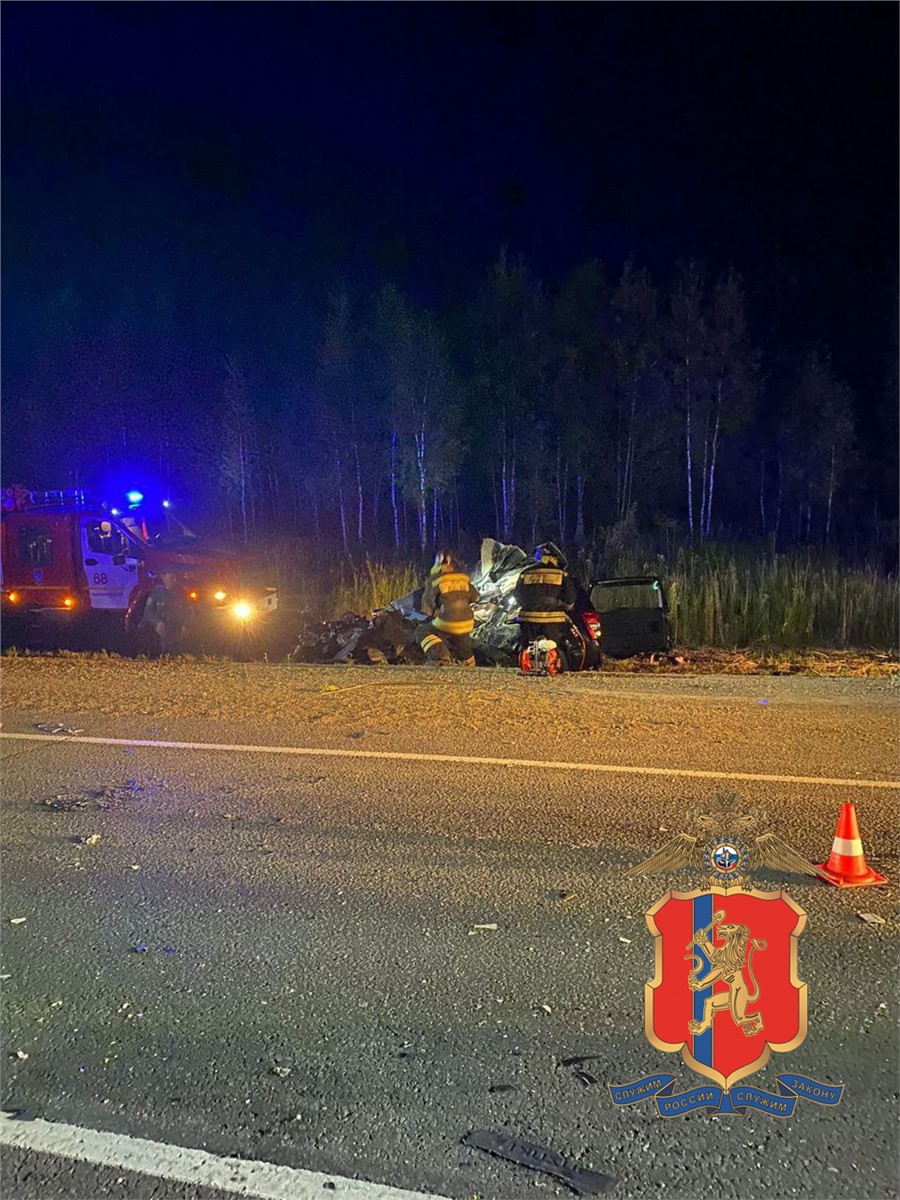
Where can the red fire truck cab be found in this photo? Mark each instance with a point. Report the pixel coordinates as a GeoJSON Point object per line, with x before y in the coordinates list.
{"type": "Point", "coordinates": [64, 556]}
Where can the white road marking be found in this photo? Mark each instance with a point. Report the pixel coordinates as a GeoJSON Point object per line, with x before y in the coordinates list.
{"type": "Point", "coordinates": [465, 759]}
{"type": "Point", "coordinates": [245, 1177]}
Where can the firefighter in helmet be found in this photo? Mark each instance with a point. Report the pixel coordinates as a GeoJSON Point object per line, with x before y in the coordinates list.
{"type": "Point", "coordinates": [447, 598]}
{"type": "Point", "coordinates": [546, 594]}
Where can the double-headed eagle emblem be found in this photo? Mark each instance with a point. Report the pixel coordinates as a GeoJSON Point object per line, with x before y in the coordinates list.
{"type": "Point", "coordinates": [728, 856]}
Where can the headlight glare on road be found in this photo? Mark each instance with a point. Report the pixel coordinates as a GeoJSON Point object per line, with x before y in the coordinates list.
{"type": "Point", "coordinates": [242, 611]}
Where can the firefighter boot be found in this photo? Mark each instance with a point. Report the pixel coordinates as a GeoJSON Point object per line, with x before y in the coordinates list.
{"type": "Point", "coordinates": [436, 653]}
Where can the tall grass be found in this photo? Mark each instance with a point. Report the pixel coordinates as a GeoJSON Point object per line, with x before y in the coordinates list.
{"type": "Point", "coordinates": [375, 586]}
{"type": "Point", "coordinates": [723, 596]}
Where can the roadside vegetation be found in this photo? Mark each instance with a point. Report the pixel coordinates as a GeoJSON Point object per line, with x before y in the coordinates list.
{"type": "Point", "coordinates": [720, 596]}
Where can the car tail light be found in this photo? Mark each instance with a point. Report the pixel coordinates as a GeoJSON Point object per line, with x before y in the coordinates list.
{"type": "Point", "coordinates": [68, 602]}
{"type": "Point", "coordinates": [12, 597]}
{"type": "Point", "coordinates": [592, 622]}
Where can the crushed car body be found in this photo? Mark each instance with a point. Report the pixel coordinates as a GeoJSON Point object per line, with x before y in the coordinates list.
{"type": "Point", "coordinates": [390, 635]}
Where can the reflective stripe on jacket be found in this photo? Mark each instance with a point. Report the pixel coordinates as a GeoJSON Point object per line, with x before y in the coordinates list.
{"type": "Point", "coordinates": [451, 595]}
{"type": "Point", "coordinates": [545, 594]}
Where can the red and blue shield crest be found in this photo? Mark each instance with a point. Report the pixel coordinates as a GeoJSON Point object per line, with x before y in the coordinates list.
{"type": "Point", "coordinates": [725, 990]}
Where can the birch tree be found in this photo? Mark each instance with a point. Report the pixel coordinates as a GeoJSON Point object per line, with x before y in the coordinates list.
{"type": "Point", "coordinates": [239, 454]}
{"type": "Point", "coordinates": [685, 332]}
{"type": "Point", "coordinates": [509, 368]}
{"type": "Point", "coordinates": [732, 383]}
{"type": "Point", "coordinates": [816, 443]}
{"type": "Point", "coordinates": [634, 354]}
{"type": "Point", "coordinates": [425, 444]}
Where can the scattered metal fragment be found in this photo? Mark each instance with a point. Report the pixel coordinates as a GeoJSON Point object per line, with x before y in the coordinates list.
{"type": "Point", "coordinates": [21, 1055]}
{"type": "Point", "coordinates": [55, 727]}
{"type": "Point", "coordinates": [281, 1072]}
{"type": "Point", "coordinates": [586, 1077]}
{"type": "Point", "coordinates": [539, 1158]}
{"type": "Point", "coordinates": [871, 918]}
{"type": "Point", "coordinates": [564, 897]}
{"type": "Point", "coordinates": [484, 926]}
{"type": "Point", "coordinates": [17, 920]}
{"type": "Point", "coordinates": [577, 1059]}
{"type": "Point", "coordinates": [91, 840]}
{"type": "Point", "coordinates": [99, 797]}
{"type": "Point", "coordinates": [626, 941]}
{"type": "Point", "coordinates": [546, 1008]}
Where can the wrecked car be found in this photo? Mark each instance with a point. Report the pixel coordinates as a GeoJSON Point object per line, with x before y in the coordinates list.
{"type": "Point", "coordinates": [390, 635]}
{"type": "Point", "coordinates": [634, 616]}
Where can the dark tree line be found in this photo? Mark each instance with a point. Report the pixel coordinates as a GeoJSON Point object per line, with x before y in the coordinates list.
{"type": "Point", "coordinates": [529, 413]}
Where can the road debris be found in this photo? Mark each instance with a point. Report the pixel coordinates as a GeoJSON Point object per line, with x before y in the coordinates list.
{"type": "Point", "coordinates": [565, 897]}
{"type": "Point", "coordinates": [101, 798]}
{"type": "Point", "coordinates": [625, 941]}
{"type": "Point", "coordinates": [577, 1059]}
{"type": "Point", "coordinates": [135, 866]}
{"type": "Point", "coordinates": [474, 927]}
{"type": "Point", "coordinates": [539, 1158]}
{"type": "Point", "coordinates": [585, 1076]}
{"type": "Point", "coordinates": [21, 1055]}
{"type": "Point", "coordinates": [281, 1072]}
{"type": "Point", "coordinates": [91, 840]}
{"type": "Point", "coordinates": [140, 948]}
{"type": "Point", "coordinates": [546, 1008]}
{"type": "Point", "coordinates": [17, 920]}
{"type": "Point", "coordinates": [871, 918]}
{"type": "Point", "coordinates": [55, 727]}
{"type": "Point", "coordinates": [501, 1087]}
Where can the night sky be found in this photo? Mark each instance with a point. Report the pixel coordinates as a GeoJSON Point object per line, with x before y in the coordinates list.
{"type": "Point", "coordinates": [228, 162]}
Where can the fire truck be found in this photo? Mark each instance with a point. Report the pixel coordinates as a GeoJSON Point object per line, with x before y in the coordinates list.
{"type": "Point", "coordinates": [66, 558]}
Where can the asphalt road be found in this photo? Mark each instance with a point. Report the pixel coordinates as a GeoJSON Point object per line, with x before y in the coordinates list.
{"type": "Point", "coordinates": [245, 911]}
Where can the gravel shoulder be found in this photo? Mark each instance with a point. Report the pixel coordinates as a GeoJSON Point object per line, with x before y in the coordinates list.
{"type": "Point", "coordinates": [764, 725]}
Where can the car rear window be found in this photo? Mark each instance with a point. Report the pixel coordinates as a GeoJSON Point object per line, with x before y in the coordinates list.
{"type": "Point", "coordinates": [630, 595]}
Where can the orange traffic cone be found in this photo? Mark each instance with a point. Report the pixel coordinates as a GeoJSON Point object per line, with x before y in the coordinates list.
{"type": "Point", "coordinates": [847, 866]}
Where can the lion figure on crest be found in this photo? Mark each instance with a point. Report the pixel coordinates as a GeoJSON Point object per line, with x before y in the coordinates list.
{"type": "Point", "coordinates": [727, 963]}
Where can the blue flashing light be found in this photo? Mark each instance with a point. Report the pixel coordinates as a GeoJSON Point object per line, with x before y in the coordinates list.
{"type": "Point", "coordinates": [114, 512]}
{"type": "Point", "coordinates": [167, 503]}
{"type": "Point", "coordinates": [134, 497]}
